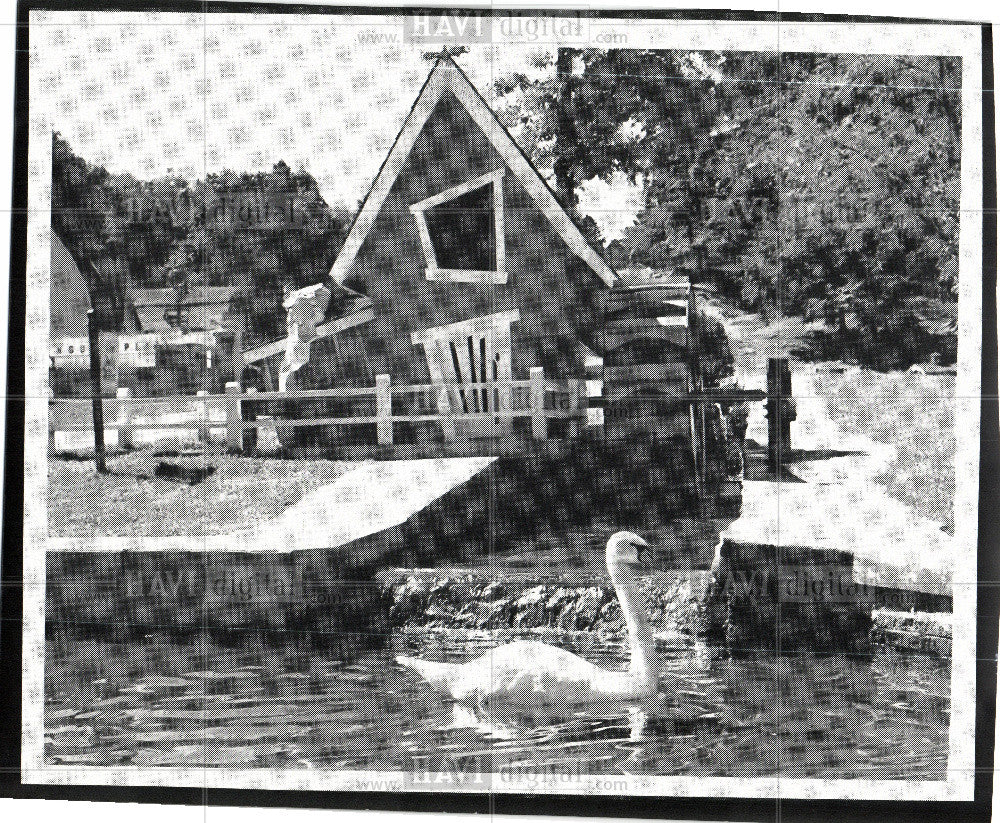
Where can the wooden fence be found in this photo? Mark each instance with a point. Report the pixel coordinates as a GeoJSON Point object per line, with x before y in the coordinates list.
{"type": "Point", "coordinates": [241, 423]}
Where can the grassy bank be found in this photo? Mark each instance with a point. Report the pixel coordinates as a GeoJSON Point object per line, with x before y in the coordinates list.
{"type": "Point", "coordinates": [915, 415]}
{"type": "Point", "coordinates": [149, 494]}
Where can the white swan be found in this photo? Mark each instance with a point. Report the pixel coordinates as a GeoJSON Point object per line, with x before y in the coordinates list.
{"type": "Point", "coordinates": [529, 673]}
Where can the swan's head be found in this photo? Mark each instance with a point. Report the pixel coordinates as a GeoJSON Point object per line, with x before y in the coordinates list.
{"type": "Point", "coordinates": [626, 560]}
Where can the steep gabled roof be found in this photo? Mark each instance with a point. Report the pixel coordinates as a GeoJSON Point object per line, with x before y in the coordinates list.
{"type": "Point", "coordinates": [447, 76]}
{"type": "Point", "coordinates": [69, 296]}
{"type": "Point", "coordinates": [197, 296]}
{"type": "Point", "coordinates": [204, 307]}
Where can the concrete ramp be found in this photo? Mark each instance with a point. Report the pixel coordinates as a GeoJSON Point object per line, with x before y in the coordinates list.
{"type": "Point", "coordinates": [372, 498]}
{"type": "Point", "coordinates": [892, 546]}
{"type": "Point", "coordinates": [836, 501]}
{"type": "Point", "coordinates": [365, 501]}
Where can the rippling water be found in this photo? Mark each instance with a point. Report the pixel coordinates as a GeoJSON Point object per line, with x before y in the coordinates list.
{"type": "Point", "coordinates": [802, 716]}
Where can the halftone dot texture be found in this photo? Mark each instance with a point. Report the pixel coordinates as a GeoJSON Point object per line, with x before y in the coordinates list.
{"type": "Point", "coordinates": [285, 660]}
{"type": "Point", "coordinates": [136, 101]}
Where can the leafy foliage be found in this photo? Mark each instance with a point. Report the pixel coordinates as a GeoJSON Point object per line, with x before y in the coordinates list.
{"type": "Point", "coordinates": [256, 232]}
{"type": "Point", "coordinates": [825, 186]}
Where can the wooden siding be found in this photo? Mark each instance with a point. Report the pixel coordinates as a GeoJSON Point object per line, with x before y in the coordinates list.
{"type": "Point", "coordinates": [554, 292]}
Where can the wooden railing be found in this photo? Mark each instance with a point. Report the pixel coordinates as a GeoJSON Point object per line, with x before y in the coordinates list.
{"type": "Point", "coordinates": [529, 399]}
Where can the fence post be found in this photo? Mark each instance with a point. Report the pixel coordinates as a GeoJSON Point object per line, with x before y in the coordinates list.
{"type": "Point", "coordinates": [594, 368]}
{"type": "Point", "coordinates": [203, 428]}
{"type": "Point", "coordinates": [779, 392]}
{"type": "Point", "coordinates": [248, 412]}
{"type": "Point", "coordinates": [383, 409]}
{"type": "Point", "coordinates": [123, 418]}
{"type": "Point", "coordinates": [577, 398]}
{"type": "Point", "coordinates": [536, 380]}
{"type": "Point", "coordinates": [52, 423]}
{"type": "Point", "coordinates": [234, 422]}
{"type": "Point", "coordinates": [97, 402]}
{"type": "Point", "coordinates": [237, 360]}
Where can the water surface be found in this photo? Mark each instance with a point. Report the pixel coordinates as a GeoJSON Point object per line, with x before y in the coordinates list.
{"type": "Point", "coordinates": [801, 716]}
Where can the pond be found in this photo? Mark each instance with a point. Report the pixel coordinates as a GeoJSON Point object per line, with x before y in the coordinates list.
{"type": "Point", "coordinates": [146, 704]}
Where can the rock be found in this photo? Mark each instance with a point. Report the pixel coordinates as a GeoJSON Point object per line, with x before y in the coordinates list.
{"type": "Point", "coordinates": [556, 606]}
{"type": "Point", "coordinates": [494, 590]}
{"type": "Point", "coordinates": [410, 601]}
{"type": "Point", "coordinates": [436, 613]}
{"type": "Point", "coordinates": [467, 617]}
{"type": "Point", "coordinates": [611, 619]}
{"type": "Point", "coordinates": [588, 608]}
{"type": "Point", "coordinates": [529, 610]}
{"type": "Point", "coordinates": [497, 614]}
{"type": "Point", "coordinates": [440, 587]}
{"type": "Point", "coordinates": [531, 598]}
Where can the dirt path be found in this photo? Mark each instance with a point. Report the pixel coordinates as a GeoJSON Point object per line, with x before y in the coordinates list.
{"type": "Point", "coordinates": [375, 496]}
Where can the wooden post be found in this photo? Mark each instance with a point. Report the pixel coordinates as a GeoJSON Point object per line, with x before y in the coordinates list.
{"type": "Point", "coordinates": [536, 378]}
{"type": "Point", "coordinates": [704, 445]}
{"type": "Point", "coordinates": [594, 368]}
{"type": "Point", "coordinates": [97, 404]}
{"type": "Point", "coordinates": [787, 409]}
{"type": "Point", "coordinates": [249, 414]}
{"type": "Point", "coordinates": [234, 420]}
{"type": "Point", "coordinates": [577, 404]}
{"type": "Point", "coordinates": [123, 418]}
{"type": "Point", "coordinates": [238, 363]}
{"type": "Point", "coordinates": [773, 408]}
{"type": "Point", "coordinates": [203, 429]}
{"type": "Point", "coordinates": [779, 390]}
{"type": "Point", "coordinates": [52, 423]}
{"type": "Point", "coordinates": [383, 409]}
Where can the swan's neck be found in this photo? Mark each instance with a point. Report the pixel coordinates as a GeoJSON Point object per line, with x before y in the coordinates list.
{"type": "Point", "coordinates": [644, 666]}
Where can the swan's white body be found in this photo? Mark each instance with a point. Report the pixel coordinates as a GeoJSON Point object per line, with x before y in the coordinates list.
{"type": "Point", "coordinates": [529, 673]}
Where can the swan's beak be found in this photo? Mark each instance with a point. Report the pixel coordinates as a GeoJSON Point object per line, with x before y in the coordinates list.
{"type": "Point", "coordinates": [629, 553]}
{"type": "Point", "coordinates": [644, 556]}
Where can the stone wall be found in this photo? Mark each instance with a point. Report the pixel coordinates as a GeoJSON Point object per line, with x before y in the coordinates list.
{"type": "Point", "coordinates": [434, 598]}
{"type": "Point", "coordinates": [312, 597]}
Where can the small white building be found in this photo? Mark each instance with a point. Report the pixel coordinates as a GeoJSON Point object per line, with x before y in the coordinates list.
{"type": "Point", "coordinates": [137, 350]}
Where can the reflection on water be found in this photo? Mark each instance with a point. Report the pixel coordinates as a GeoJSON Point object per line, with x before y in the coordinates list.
{"type": "Point", "coordinates": [803, 716]}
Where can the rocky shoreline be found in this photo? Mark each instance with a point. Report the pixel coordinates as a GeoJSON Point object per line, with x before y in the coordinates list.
{"type": "Point", "coordinates": [434, 598]}
{"type": "Point", "coordinates": [680, 605]}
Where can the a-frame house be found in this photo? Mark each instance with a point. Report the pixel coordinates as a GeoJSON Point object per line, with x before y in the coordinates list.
{"type": "Point", "coordinates": [469, 270]}
{"type": "Point", "coordinates": [473, 269]}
